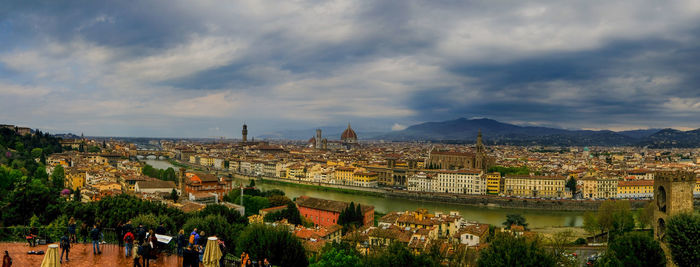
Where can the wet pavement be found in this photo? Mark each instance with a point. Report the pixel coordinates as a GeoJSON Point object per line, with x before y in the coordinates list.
{"type": "Point", "coordinates": [81, 256]}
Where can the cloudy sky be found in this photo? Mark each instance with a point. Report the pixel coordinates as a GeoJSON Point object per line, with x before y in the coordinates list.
{"type": "Point", "coordinates": [202, 68]}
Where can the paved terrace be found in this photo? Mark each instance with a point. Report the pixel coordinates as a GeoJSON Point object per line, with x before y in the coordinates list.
{"type": "Point", "coordinates": [81, 256]}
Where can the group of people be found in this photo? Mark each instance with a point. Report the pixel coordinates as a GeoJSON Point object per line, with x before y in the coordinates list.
{"type": "Point", "coordinates": [139, 243]}
{"type": "Point", "coordinates": [247, 262]}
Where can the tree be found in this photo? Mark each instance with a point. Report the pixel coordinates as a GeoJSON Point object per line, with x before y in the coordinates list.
{"type": "Point", "coordinates": [173, 195]}
{"type": "Point", "coordinates": [590, 223]}
{"type": "Point", "coordinates": [634, 249]}
{"type": "Point", "coordinates": [58, 177]}
{"type": "Point", "coordinates": [397, 254]}
{"type": "Point", "coordinates": [683, 238]}
{"type": "Point", "coordinates": [508, 250]}
{"type": "Point", "coordinates": [40, 173]}
{"type": "Point", "coordinates": [253, 204]}
{"type": "Point", "coordinates": [646, 215]}
{"type": "Point", "coordinates": [216, 225]}
{"type": "Point", "coordinates": [76, 195]}
{"type": "Point", "coordinates": [336, 257]}
{"type": "Point", "coordinates": [558, 246]}
{"type": "Point", "coordinates": [276, 201]}
{"type": "Point", "coordinates": [615, 217]}
{"type": "Point", "coordinates": [516, 219]}
{"type": "Point", "coordinates": [571, 185]}
{"type": "Point", "coordinates": [37, 152]}
{"type": "Point", "coordinates": [276, 244]}
{"type": "Point", "coordinates": [169, 174]}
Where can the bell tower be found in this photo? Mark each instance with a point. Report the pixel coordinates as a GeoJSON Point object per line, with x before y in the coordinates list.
{"type": "Point", "coordinates": [245, 133]}
{"type": "Point", "coordinates": [480, 151]}
{"type": "Point", "coordinates": [673, 194]}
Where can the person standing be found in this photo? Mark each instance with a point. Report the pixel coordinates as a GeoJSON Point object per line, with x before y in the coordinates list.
{"type": "Point", "coordinates": [222, 247]}
{"type": "Point", "coordinates": [138, 253]}
{"type": "Point", "coordinates": [71, 230]}
{"type": "Point", "coordinates": [189, 256]}
{"type": "Point", "coordinates": [6, 260]}
{"type": "Point", "coordinates": [65, 246]}
{"type": "Point", "coordinates": [153, 243]}
{"type": "Point", "coordinates": [128, 227]}
{"type": "Point", "coordinates": [194, 237]}
{"type": "Point", "coordinates": [129, 243]}
{"type": "Point", "coordinates": [145, 252]}
{"type": "Point", "coordinates": [141, 233]}
{"type": "Point", "coordinates": [84, 232]}
{"type": "Point", "coordinates": [202, 242]}
{"type": "Point", "coordinates": [180, 241]}
{"type": "Point", "coordinates": [120, 232]}
{"type": "Point", "coordinates": [95, 236]}
{"type": "Point", "coordinates": [266, 263]}
{"type": "Point", "coordinates": [160, 229]}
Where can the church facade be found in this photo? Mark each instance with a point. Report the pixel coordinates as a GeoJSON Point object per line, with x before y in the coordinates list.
{"type": "Point", "coordinates": [451, 160]}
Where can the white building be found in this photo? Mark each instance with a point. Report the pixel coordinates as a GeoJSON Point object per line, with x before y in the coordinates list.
{"type": "Point", "coordinates": [471, 182]}
{"type": "Point", "coordinates": [420, 182]}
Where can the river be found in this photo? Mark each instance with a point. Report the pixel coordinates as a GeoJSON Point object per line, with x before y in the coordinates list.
{"type": "Point", "coordinates": [535, 218]}
{"type": "Point", "coordinates": [159, 164]}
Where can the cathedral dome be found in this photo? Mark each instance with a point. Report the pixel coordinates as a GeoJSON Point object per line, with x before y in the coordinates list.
{"type": "Point", "coordinates": [348, 134]}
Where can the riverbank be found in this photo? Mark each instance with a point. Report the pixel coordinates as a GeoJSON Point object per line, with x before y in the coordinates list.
{"type": "Point", "coordinates": [481, 201]}
{"type": "Point", "coordinates": [478, 201]}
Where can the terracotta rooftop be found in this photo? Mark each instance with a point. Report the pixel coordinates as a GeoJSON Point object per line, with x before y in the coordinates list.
{"type": "Point", "coordinates": [327, 205]}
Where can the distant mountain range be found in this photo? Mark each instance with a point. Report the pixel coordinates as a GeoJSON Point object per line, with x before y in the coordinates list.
{"type": "Point", "coordinates": [495, 132]}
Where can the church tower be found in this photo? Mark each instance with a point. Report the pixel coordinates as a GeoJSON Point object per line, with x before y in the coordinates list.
{"type": "Point", "coordinates": [319, 139]}
{"type": "Point", "coordinates": [181, 181]}
{"type": "Point", "coordinates": [245, 133]}
{"type": "Point", "coordinates": [673, 194]}
{"type": "Point", "coordinates": [480, 153]}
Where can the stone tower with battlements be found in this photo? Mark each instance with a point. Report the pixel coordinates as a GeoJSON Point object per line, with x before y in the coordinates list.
{"type": "Point", "coordinates": [245, 133]}
{"type": "Point", "coordinates": [673, 194]}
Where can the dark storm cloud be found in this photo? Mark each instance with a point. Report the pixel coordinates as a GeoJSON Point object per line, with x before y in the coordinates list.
{"type": "Point", "coordinates": [585, 64]}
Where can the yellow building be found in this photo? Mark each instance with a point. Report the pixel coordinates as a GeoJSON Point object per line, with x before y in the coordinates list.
{"type": "Point", "coordinates": [296, 171]}
{"type": "Point", "coordinates": [607, 188]}
{"type": "Point", "coordinates": [365, 179]}
{"type": "Point", "coordinates": [493, 183]}
{"type": "Point", "coordinates": [75, 179]}
{"type": "Point", "coordinates": [635, 189]}
{"type": "Point", "coordinates": [107, 186]}
{"type": "Point", "coordinates": [344, 175]}
{"type": "Point", "coordinates": [589, 188]}
{"type": "Point", "coordinates": [535, 186]}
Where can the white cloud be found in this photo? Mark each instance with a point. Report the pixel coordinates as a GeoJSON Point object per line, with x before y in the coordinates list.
{"type": "Point", "coordinates": [398, 127]}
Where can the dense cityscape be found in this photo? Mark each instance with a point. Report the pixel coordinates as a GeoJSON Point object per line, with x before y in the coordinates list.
{"type": "Point", "coordinates": [607, 183]}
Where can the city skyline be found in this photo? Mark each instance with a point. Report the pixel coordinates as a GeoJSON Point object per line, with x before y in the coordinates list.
{"type": "Point", "coordinates": [184, 69]}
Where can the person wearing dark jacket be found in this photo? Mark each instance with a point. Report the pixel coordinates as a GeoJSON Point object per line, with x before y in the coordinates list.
{"type": "Point", "coordinates": [65, 246]}
{"type": "Point", "coordinates": [160, 229]}
{"type": "Point", "coordinates": [128, 227]}
{"type": "Point", "coordinates": [84, 232]}
{"type": "Point", "coordinates": [6, 260]}
{"type": "Point", "coordinates": [95, 236]}
{"type": "Point", "coordinates": [145, 253]}
{"type": "Point", "coordinates": [138, 255]}
{"type": "Point", "coordinates": [181, 242]}
{"type": "Point", "coordinates": [141, 233]}
{"type": "Point", "coordinates": [120, 233]}
{"type": "Point", "coordinates": [190, 257]}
